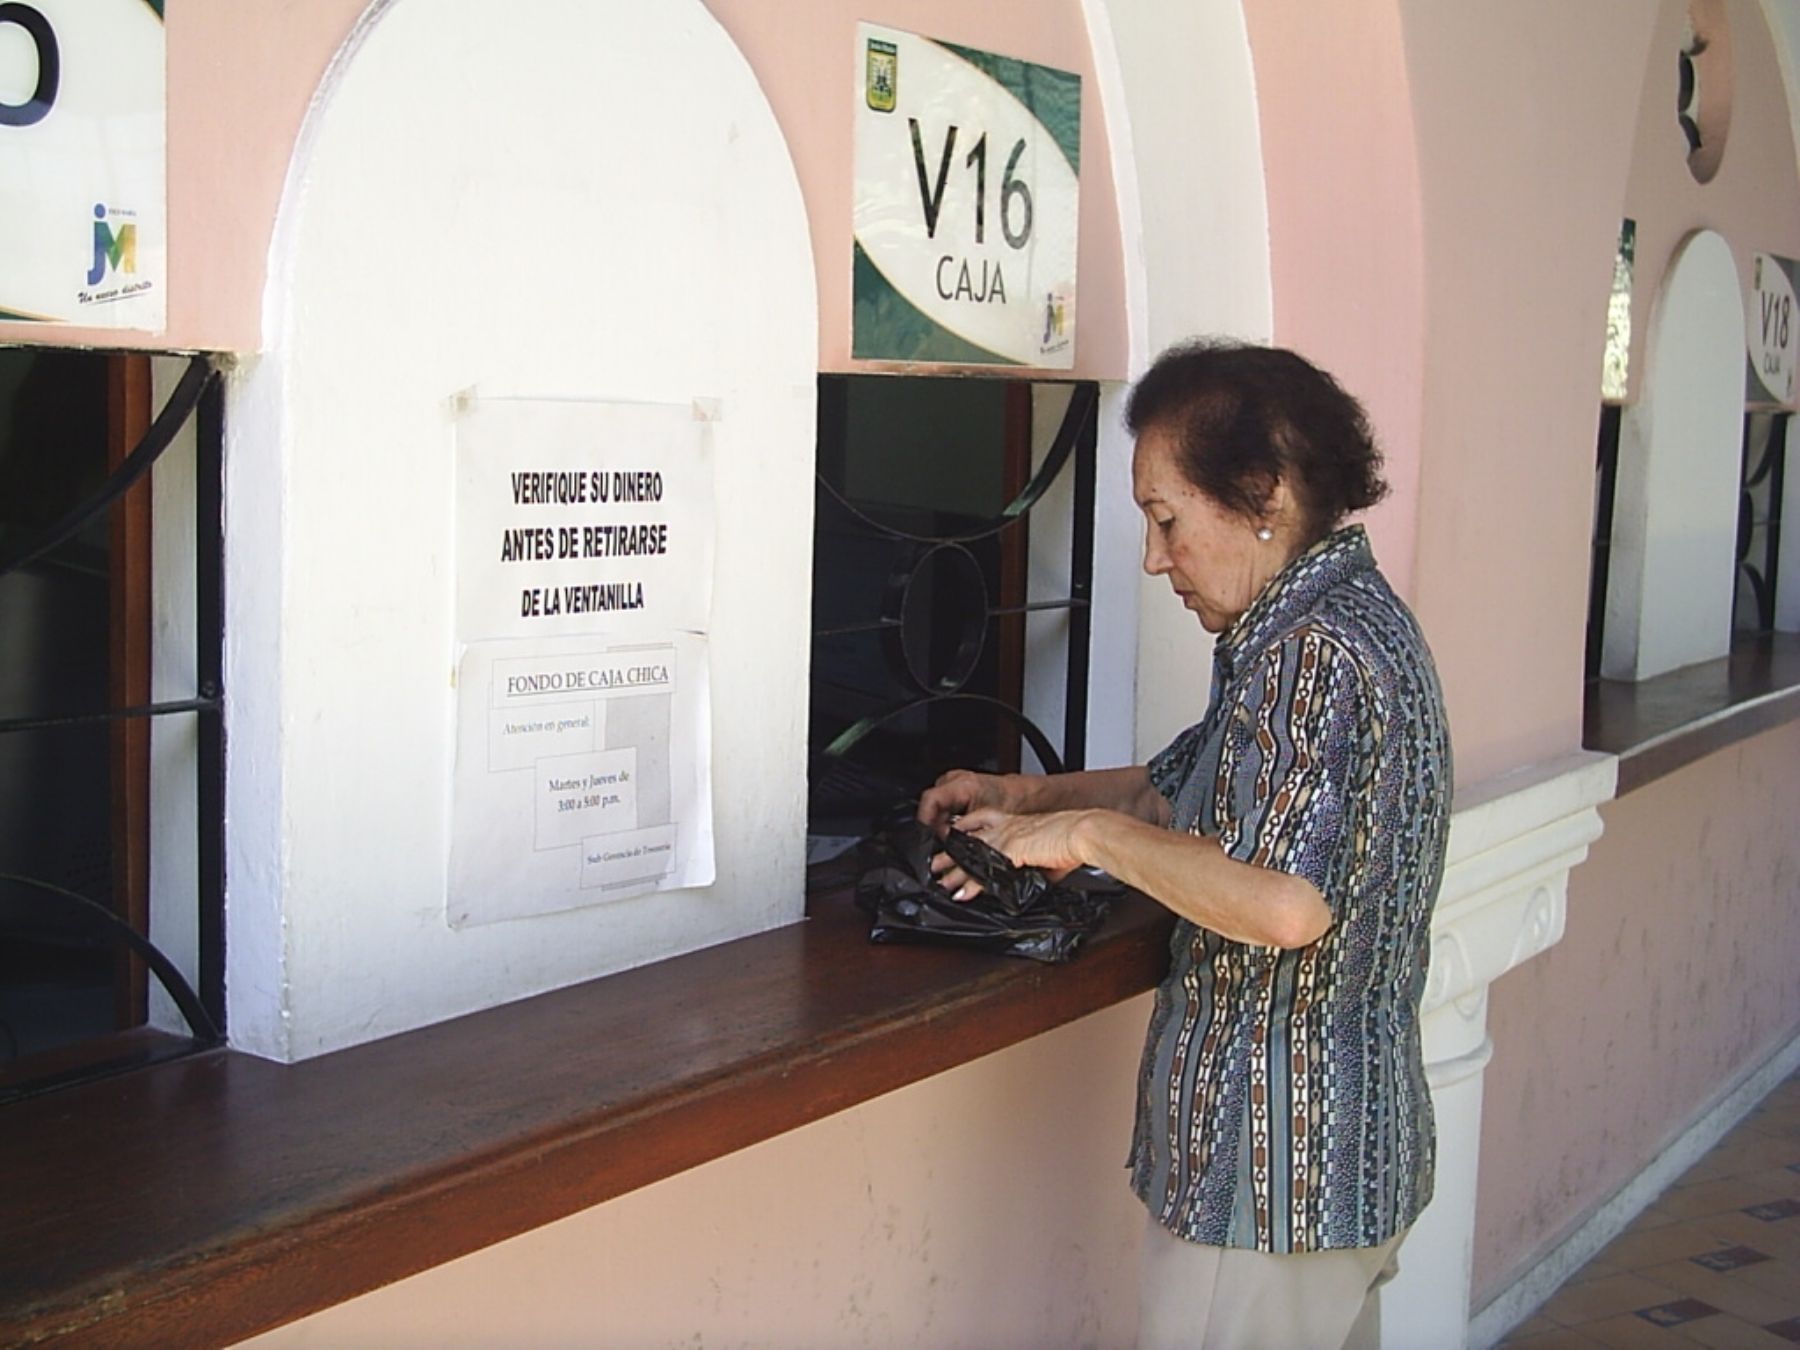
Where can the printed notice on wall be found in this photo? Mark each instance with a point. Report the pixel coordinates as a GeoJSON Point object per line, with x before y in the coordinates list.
{"type": "Point", "coordinates": [967, 205]}
{"type": "Point", "coordinates": [584, 559]}
{"type": "Point", "coordinates": [82, 149]}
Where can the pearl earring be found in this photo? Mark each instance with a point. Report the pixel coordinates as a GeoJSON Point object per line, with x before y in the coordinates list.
{"type": "Point", "coordinates": [1265, 534]}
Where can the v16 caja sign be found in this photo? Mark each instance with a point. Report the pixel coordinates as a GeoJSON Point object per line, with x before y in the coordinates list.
{"type": "Point", "coordinates": [967, 203]}
{"type": "Point", "coordinates": [82, 144]}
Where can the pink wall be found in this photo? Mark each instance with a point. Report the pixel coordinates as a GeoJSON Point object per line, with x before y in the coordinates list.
{"type": "Point", "coordinates": [1525, 115]}
{"type": "Point", "coordinates": [805, 54]}
{"type": "Point", "coordinates": [1676, 977]}
{"type": "Point", "coordinates": [1677, 974]}
{"type": "Point", "coordinates": [986, 1206]}
{"type": "Point", "coordinates": [240, 77]}
{"type": "Point", "coordinates": [1445, 187]}
{"type": "Point", "coordinates": [242, 74]}
{"type": "Point", "coordinates": [1344, 226]}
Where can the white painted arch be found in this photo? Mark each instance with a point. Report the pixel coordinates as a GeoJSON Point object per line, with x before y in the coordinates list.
{"type": "Point", "coordinates": [1674, 538]}
{"type": "Point", "coordinates": [582, 199]}
{"type": "Point", "coordinates": [1195, 231]}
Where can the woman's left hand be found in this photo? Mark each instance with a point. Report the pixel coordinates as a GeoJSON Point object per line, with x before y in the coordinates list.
{"type": "Point", "coordinates": [1042, 840]}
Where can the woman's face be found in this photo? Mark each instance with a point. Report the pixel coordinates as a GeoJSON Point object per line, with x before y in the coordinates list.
{"type": "Point", "coordinates": [1210, 555]}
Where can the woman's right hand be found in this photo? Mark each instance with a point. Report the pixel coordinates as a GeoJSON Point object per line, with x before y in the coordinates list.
{"type": "Point", "coordinates": [956, 794]}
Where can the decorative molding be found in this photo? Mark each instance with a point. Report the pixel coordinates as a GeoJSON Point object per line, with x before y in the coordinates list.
{"type": "Point", "coordinates": [1445, 1073]}
{"type": "Point", "coordinates": [1513, 841]}
{"type": "Point", "coordinates": [1529, 1292]}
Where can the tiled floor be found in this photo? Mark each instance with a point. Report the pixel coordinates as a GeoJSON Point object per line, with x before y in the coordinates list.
{"type": "Point", "coordinates": [1715, 1261]}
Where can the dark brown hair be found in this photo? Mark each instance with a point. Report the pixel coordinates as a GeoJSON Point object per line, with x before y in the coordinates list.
{"type": "Point", "coordinates": [1246, 417]}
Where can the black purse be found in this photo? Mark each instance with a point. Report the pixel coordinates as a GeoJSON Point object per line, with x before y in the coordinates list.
{"type": "Point", "coordinates": [1020, 911]}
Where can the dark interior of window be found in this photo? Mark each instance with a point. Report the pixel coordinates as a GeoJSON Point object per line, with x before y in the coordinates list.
{"type": "Point", "coordinates": [1606, 474]}
{"type": "Point", "coordinates": [77, 440]}
{"type": "Point", "coordinates": [923, 586]}
{"type": "Point", "coordinates": [56, 616]}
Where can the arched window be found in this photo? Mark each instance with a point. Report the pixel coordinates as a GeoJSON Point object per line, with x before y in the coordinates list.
{"type": "Point", "coordinates": [1673, 554]}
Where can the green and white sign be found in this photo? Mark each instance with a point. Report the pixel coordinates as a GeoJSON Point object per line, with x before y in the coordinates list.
{"type": "Point", "coordinates": [1772, 329]}
{"type": "Point", "coordinates": [82, 136]}
{"type": "Point", "coordinates": [967, 205]}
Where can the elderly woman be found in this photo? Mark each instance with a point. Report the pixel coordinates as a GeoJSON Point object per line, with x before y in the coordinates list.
{"type": "Point", "coordinates": [1284, 1139]}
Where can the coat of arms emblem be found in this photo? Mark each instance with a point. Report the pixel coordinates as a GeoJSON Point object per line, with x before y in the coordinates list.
{"type": "Point", "coordinates": [883, 75]}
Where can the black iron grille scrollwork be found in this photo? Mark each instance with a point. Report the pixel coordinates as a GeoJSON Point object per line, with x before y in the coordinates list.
{"type": "Point", "coordinates": [53, 906]}
{"type": "Point", "coordinates": [918, 612]}
{"type": "Point", "coordinates": [1759, 520]}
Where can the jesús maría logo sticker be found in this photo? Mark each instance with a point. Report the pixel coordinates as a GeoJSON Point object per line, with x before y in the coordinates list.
{"type": "Point", "coordinates": [83, 224]}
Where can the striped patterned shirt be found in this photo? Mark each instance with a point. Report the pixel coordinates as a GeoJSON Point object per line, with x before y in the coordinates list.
{"type": "Point", "coordinates": [1282, 1101]}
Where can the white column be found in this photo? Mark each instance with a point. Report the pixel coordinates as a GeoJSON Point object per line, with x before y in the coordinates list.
{"type": "Point", "coordinates": [1513, 842]}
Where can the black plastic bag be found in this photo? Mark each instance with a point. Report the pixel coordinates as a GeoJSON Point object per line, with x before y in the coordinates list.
{"type": "Point", "coordinates": [1020, 911]}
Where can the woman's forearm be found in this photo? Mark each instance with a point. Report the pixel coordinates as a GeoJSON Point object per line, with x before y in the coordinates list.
{"type": "Point", "coordinates": [1127, 791]}
{"type": "Point", "coordinates": [1191, 875]}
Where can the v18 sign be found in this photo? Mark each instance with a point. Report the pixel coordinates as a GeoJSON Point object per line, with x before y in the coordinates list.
{"type": "Point", "coordinates": [1772, 329]}
{"type": "Point", "coordinates": [967, 203]}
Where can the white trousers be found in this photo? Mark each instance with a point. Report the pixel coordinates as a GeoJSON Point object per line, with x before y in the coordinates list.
{"type": "Point", "coordinates": [1224, 1298]}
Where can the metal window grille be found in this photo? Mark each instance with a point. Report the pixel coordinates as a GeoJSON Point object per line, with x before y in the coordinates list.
{"type": "Point", "coordinates": [38, 903]}
{"type": "Point", "coordinates": [1759, 521]}
{"type": "Point", "coordinates": [914, 615]}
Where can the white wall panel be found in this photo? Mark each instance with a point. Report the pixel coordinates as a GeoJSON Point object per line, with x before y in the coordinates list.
{"type": "Point", "coordinates": [1674, 543]}
{"type": "Point", "coordinates": [574, 199]}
